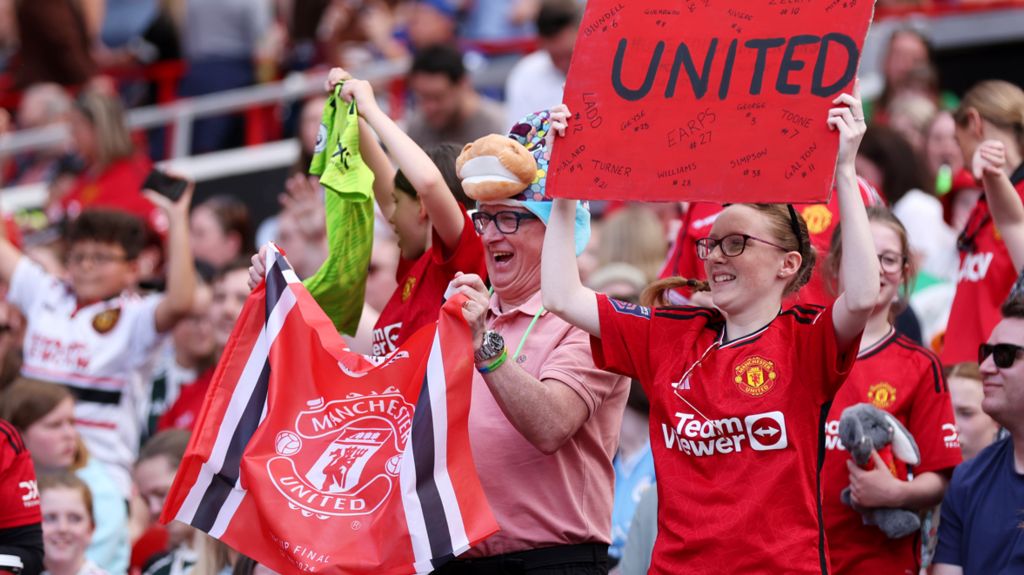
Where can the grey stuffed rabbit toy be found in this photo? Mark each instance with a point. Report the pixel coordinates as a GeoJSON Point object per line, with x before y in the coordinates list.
{"type": "Point", "coordinates": [862, 429]}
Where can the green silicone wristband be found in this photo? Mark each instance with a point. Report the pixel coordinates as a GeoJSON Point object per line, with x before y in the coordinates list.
{"type": "Point", "coordinates": [496, 364]}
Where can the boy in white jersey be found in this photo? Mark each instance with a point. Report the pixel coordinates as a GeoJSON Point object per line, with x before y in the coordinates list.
{"type": "Point", "coordinates": [92, 333]}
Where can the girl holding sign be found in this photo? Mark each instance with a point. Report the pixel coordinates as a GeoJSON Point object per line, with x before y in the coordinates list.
{"type": "Point", "coordinates": [738, 392]}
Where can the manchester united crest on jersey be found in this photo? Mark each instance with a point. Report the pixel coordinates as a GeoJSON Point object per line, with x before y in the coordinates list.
{"type": "Point", "coordinates": [407, 289]}
{"type": "Point", "coordinates": [882, 395]}
{"type": "Point", "coordinates": [106, 320]}
{"type": "Point", "coordinates": [322, 465]}
{"type": "Point", "coordinates": [756, 376]}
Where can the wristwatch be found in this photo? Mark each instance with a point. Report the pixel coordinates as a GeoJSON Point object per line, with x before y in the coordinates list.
{"type": "Point", "coordinates": [490, 348]}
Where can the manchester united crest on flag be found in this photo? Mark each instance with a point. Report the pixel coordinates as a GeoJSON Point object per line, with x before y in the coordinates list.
{"type": "Point", "coordinates": [310, 458]}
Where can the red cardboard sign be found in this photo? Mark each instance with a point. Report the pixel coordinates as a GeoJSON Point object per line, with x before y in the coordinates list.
{"type": "Point", "coordinates": [707, 100]}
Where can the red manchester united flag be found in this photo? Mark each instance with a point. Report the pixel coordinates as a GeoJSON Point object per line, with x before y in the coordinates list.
{"type": "Point", "coordinates": [311, 458]}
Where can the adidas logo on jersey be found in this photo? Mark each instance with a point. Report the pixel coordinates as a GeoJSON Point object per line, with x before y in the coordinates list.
{"type": "Point", "coordinates": [699, 437]}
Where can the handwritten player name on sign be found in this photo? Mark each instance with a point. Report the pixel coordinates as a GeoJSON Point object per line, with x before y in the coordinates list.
{"type": "Point", "coordinates": [707, 100]}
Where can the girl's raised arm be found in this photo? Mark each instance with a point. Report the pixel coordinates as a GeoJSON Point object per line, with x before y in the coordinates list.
{"type": "Point", "coordinates": [859, 267]}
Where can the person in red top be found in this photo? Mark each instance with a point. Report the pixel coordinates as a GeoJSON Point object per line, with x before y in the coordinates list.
{"type": "Point", "coordinates": [821, 219]}
{"type": "Point", "coordinates": [21, 532]}
{"type": "Point", "coordinates": [993, 111]}
{"type": "Point", "coordinates": [114, 171]}
{"type": "Point", "coordinates": [894, 374]}
{"type": "Point", "coordinates": [737, 393]}
{"type": "Point", "coordinates": [435, 235]}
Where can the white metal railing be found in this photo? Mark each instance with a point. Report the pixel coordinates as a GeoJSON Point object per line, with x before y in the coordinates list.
{"type": "Point", "coordinates": [182, 113]}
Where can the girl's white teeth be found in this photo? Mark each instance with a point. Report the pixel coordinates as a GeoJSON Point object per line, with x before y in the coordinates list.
{"type": "Point", "coordinates": [723, 277]}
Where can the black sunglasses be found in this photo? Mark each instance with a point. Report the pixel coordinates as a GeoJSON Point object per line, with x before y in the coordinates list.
{"type": "Point", "coordinates": [1003, 354]}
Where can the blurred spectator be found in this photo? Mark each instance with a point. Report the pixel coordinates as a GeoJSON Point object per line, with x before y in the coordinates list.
{"type": "Point", "coordinates": [301, 225]}
{"type": "Point", "coordinates": [230, 290]}
{"type": "Point", "coordinates": [221, 41]}
{"type": "Point", "coordinates": [380, 282]}
{"type": "Point", "coordinates": [497, 20]}
{"type": "Point", "coordinates": [21, 536]}
{"type": "Point", "coordinates": [976, 429]}
{"type": "Point", "coordinates": [12, 332]}
{"type": "Point", "coordinates": [941, 152]}
{"type": "Point", "coordinates": [154, 472]}
{"type": "Point", "coordinates": [634, 235]}
{"type": "Point", "coordinates": [990, 110]}
{"type": "Point", "coordinates": [113, 170]}
{"type": "Point", "coordinates": [68, 525]}
{"type": "Point", "coordinates": [93, 334]}
{"type": "Point", "coordinates": [189, 355]}
{"type": "Point", "coordinates": [41, 105]}
{"type": "Point", "coordinates": [55, 42]}
{"type": "Point", "coordinates": [643, 531]}
{"type": "Point", "coordinates": [44, 414]}
{"type": "Point", "coordinates": [536, 82]}
{"type": "Point", "coordinates": [910, 114]}
{"type": "Point", "coordinates": [309, 130]}
{"type": "Point", "coordinates": [8, 34]}
{"type": "Point", "coordinates": [448, 109]}
{"type": "Point", "coordinates": [908, 50]}
{"type": "Point", "coordinates": [886, 160]}
{"type": "Point", "coordinates": [220, 230]}
{"type": "Point", "coordinates": [619, 280]}
{"type": "Point", "coordinates": [137, 33]}
{"type": "Point", "coordinates": [633, 464]}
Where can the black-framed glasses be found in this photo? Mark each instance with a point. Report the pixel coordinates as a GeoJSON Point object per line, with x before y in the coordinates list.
{"type": "Point", "coordinates": [100, 258]}
{"type": "Point", "coordinates": [507, 221]}
{"type": "Point", "coordinates": [891, 262]}
{"type": "Point", "coordinates": [1003, 354]}
{"type": "Point", "coordinates": [732, 245]}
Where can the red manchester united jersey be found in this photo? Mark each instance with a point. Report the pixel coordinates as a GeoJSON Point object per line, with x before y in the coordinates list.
{"type": "Point", "coordinates": [905, 379]}
{"type": "Point", "coordinates": [821, 220]}
{"type": "Point", "coordinates": [421, 286]}
{"type": "Point", "coordinates": [985, 278]}
{"type": "Point", "coordinates": [19, 496]}
{"type": "Point", "coordinates": [735, 429]}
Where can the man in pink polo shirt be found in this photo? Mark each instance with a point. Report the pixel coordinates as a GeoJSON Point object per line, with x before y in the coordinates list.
{"type": "Point", "coordinates": [544, 422]}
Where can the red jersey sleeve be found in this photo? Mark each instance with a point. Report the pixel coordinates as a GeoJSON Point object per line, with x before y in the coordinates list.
{"type": "Point", "coordinates": [625, 338]}
{"type": "Point", "coordinates": [19, 496]}
{"type": "Point", "coordinates": [468, 256]}
{"type": "Point", "coordinates": [931, 420]}
{"type": "Point", "coordinates": [820, 347]}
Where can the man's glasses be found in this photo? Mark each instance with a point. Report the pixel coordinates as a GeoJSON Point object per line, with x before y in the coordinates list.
{"type": "Point", "coordinates": [507, 222]}
{"type": "Point", "coordinates": [79, 258]}
{"type": "Point", "coordinates": [1003, 354]}
{"type": "Point", "coordinates": [891, 262]}
{"type": "Point", "coordinates": [732, 245]}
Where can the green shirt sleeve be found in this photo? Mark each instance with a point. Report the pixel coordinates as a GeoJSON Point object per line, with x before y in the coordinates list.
{"type": "Point", "coordinates": [339, 286]}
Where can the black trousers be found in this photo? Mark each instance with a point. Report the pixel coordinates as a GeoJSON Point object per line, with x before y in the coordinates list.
{"type": "Point", "coordinates": [582, 559]}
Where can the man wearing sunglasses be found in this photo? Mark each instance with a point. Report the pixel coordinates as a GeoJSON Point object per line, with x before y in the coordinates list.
{"type": "Point", "coordinates": [983, 512]}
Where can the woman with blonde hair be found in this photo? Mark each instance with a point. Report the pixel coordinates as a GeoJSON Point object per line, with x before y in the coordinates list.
{"type": "Point", "coordinates": [989, 128]}
{"type": "Point", "coordinates": [113, 169]}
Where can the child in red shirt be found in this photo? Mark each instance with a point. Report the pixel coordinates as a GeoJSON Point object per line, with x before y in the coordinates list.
{"type": "Point", "coordinates": [737, 393]}
{"type": "Point", "coordinates": [435, 235]}
{"type": "Point", "coordinates": [894, 374]}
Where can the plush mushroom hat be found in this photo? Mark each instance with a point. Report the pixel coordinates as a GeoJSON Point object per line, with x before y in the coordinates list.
{"type": "Point", "coordinates": [512, 170]}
